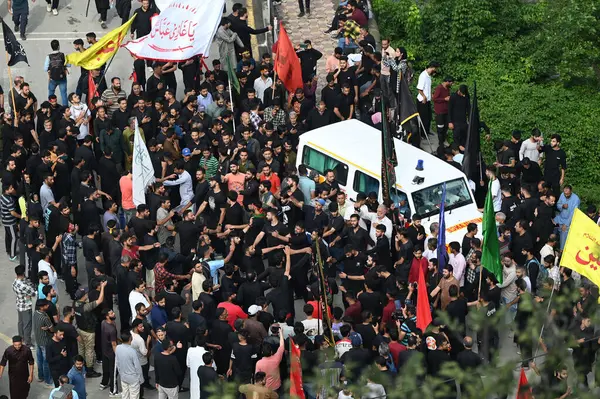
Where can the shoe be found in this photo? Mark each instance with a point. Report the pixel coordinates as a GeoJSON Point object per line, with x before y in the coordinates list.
{"type": "Point", "coordinates": [49, 386]}
{"type": "Point", "coordinates": [16, 28]}
{"type": "Point", "coordinates": [114, 395]}
{"type": "Point", "coordinates": [98, 361]}
{"type": "Point", "coordinates": [55, 12]}
{"type": "Point", "coordinates": [183, 389]}
{"type": "Point", "coordinates": [103, 387]}
{"type": "Point", "coordinates": [93, 374]}
{"type": "Point", "coordinates": [300, 15]}
{"type": "Point", "coordinates": [48, 8]}
{"type": "Point", "coordinates": [40, 380]}
{"type": "Point", "coordinates": [14, 258]}
{"type": "Point", "coordinates": [100, 19]}
{"type": "Point", "coordinates": [308, 13]}
{"type": "Point", "coordinates": [103, 25]}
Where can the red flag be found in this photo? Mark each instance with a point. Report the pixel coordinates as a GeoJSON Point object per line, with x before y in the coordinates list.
{"type": "Point", "coordinates": [524, 390]}
{"type": "Point", "coordinates": [287, 64]}
{"type": "Point", "coordinates": [296, 391]}
{"type": "Point", "coordinates": [92, 92]}
{"type": "Point", "coordinates": [423, 309]}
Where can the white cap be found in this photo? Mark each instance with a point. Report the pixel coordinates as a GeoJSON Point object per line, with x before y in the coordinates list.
{"type": "Point", "coordinates": [254, 309]}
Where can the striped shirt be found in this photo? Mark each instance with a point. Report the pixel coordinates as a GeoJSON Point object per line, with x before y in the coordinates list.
{"type": "Point", "coordinates": [210, 165]}
{"type": "Point", "coordinates": [8, 204]}
{"type": "Point", "coordinates": [42, 337]}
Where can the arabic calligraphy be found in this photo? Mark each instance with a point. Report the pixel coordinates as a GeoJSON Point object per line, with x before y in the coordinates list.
{"type": "Point", "coordinates": [173, 31]}
{"type": "Point", "coordinates": [593, 262]}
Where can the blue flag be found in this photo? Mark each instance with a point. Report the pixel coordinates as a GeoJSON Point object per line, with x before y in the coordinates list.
{"type": "Point", "coordinates": [442, 253]}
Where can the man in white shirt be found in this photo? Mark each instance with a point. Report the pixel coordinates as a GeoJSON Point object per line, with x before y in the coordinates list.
{"type": "Point", "coordinates": [490, 172]}
{"type": "Point", "coordinates": [424, 99]}
{"type": "Point", "coordinates": [377, 219]}
{"type": "Point", "coordinates": [183, 180]}
{"type": "Point", "coordinates": [263, 82]}
{"type": "Point", "coordinates": [458, 262]}
{"type": "Point", "coordinates": [529, 147]}
{"type": "Point", "coordinates": [137, 295]}
{"type": "Point", "coordinates": [45, 266]}
{"type": "Point", "coordinates": [312, 325]}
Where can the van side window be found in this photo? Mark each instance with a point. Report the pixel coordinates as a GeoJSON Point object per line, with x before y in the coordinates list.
{"type": "Point", "coordinates": [364, 183]}
{"type": "Point", "coordinates": [320, 162]}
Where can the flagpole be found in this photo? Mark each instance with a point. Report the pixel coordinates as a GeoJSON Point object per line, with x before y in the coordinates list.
{"type": "Point", "coordinates": [231, 100]}
{"type": "Point", "coordinates": [12, 92]}
{"type": "Point", "coordinates": [323, 289]}
{"type": "Point", "coordinates": [480, 278]}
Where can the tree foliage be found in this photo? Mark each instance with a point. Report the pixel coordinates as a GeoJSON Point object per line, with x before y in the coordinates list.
{"type": "Point", "coordinates": [537, 64]}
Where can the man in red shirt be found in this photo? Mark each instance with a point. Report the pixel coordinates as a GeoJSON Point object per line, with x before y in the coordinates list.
{"type": "Point", "coordinates": [354, 309]}
{"type": "Point", "coordinates": [357, 14]}
{"type": "Point", "coordinates": [268, 174]}
{"type": "Point", "coordinates": [441, 96]}
{"type": "Point", "coordinates": [395, 346]}
{"type": "Point", "coordinates": [234, 312]}
{"type": "Point", "coordinates": [389, 309]}
{"type": "Point", "coordinates": [418, 262]}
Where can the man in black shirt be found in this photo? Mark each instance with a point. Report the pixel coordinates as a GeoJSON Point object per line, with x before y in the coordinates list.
{"type": "Point", "coordinates": [346, 74]}
{"type": "Point", "coordinates": [555, 164]}
{"type": "Point", "coordinates": [344, 104]}
{"type": "Point", "coordinates": [458, 114]}
{"type": "Point", "coordinates": [189, 231]}
{"type": "Point", "coordinates": [179, 333]}
{"type": "Point", "coordinates": [140, 223]}
{"type": "Point", "coordinates": [56, 353]}
{"type": "Point", "coordinates": [207, 375]}
{"type": "Point", "coordinates": [167, 370]}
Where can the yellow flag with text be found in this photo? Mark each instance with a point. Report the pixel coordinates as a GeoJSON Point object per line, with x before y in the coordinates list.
{"type": "Point", "coordinates": [101, 51]}
{"type": "Point", "coordinates": [582, 249]}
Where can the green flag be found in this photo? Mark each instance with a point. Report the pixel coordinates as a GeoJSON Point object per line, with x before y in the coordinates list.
{"type": "Point", "coordinates": [490, 256]}
{"type": "Point", "coordinates": [232, 76]}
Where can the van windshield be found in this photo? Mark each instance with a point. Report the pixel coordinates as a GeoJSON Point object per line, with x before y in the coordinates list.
{"type": "Point", "coordinates": [427, 201]}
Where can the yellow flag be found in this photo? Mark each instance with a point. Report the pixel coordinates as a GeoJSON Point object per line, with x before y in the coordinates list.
{"type": "Point", "coordinates": [99, 54]}
{"type": "Point", "coordinates": [582, 249]}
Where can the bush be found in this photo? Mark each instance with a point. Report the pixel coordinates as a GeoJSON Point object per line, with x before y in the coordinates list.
{"type": "Point", "coordinates": [533, 67]}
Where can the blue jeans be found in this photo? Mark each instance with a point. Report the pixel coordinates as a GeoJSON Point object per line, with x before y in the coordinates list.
{"type": "Point", "coordinates": [344, 46]}
{"type": "Point", "coordinates": [62, 85]}
{"type": "Point", "coordinates": [43, 366]}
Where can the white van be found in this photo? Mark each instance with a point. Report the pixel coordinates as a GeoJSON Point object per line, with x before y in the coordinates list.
{"type": "Point", "coordinates": [352, 149]}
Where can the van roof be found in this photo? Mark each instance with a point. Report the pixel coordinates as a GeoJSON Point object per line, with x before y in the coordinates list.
{"type": "Point", "coordinates": [359, 145]}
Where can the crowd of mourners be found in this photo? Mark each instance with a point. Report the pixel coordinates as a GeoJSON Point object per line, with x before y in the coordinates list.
{"type": "Point", "coordinates": [240, 248]}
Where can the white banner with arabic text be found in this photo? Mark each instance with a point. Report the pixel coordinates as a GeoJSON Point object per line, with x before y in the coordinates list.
{"type": "Point", "coordinates": [184, 29]}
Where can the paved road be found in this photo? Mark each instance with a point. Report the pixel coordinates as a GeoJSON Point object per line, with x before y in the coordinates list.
{"type": "Point", "coordinates": [70, 24]}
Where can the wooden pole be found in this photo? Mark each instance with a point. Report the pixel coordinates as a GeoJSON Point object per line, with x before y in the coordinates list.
{"type": "Point", "coordinates": [231, 101]}
{"type": "Point", "coordinates": [12, 92]}
{"type": "Point", "coordinates": [322, 289]}
{"type": "Point", "coordinates": [480, 278]}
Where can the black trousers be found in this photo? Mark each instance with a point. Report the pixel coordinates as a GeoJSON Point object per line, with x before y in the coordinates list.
{"type": "Point", "coordinates": [10, 239]}
{"type": "Point", "coordinates": [20, 18]}
{"type": "Point", "coordinates": [459, 134]}
{"type": "Point", "coordinates": [54, 3]}
{"type": "Point", "coordinates": [301, 5]}
{"type": "Point", "coordinates": [425, 114]}
{"type": "Point", "coordinates": [441, 122]}
{"type": "Point", "coordinates": [108, 372]}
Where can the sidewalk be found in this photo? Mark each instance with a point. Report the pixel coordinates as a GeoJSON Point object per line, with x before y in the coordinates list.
{"type": "Point", "coordinates": [310, 27]}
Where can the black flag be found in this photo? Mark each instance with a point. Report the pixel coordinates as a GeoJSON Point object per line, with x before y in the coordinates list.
{"type": "Point", "coordinates": [14, 49]}
{"type": "Point", "coordinates": [472, 160]}
{"type": "Point", "coordinates": [388, 156]}
{"type": "Point", "coordinates": [409, 116]}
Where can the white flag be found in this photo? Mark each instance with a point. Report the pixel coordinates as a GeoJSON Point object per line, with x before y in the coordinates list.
{"type": "Point", "coordinates": [142, 169]}
{"type": "Point", "coordinates": [184, 29]}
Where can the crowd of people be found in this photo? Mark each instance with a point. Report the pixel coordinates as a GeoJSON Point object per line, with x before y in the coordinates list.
{"type": "Point", "coordinates": [240, 249]}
